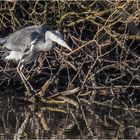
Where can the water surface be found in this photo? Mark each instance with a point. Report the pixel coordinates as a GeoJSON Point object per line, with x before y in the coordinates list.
{"type": "Point", "coordinates": [92, 119]}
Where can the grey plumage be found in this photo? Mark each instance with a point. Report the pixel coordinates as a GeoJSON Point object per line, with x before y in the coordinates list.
{"type": "Point", "coordinates": [18, 41]}
{"type": "Point", "coordinates": [26, 44]}
{"type": "Point", "coordinates": [3, 40]}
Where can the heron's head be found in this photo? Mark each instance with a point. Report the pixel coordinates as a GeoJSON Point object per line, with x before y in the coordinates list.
{"type": "Point", "coordinates": [57, 37]}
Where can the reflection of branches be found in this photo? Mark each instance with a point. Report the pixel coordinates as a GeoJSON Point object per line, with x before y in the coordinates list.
{"type": "Point", "coordinates": [23, 126]}
{"type": "Point", "coordinates": [23, 121]}
{"type": "Point", "coordinates": [43, 121]}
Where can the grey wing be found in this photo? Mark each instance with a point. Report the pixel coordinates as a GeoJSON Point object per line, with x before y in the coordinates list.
{"type": "Point", "coordinates": [21, 39]}
{"type": "Point", "coordinates": [3, 40]}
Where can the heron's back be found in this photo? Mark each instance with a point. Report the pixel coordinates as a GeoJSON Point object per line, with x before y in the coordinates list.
{"type": "Point", "coordinates": [22, 39]}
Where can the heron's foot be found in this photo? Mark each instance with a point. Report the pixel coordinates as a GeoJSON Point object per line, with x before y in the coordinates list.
{"type": "Point", "coordinates": [32, 99]}
{"type": "Point", "coordinates": [44, 88]}
{"type": "Point", "coordinates": [33, 96]}
{"type": "Point", "coordinates": [30, 91]}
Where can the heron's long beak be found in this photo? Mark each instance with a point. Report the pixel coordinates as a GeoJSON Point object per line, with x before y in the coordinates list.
{"type": "Point", "coordinates": [57, 37]}
{"type": "Point", "coordinates": [67, 47]}
{"type": "Point", "coordinates": [64, 44]}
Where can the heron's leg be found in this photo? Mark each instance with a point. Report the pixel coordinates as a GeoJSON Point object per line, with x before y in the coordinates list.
{"type": "Point", "coordinates": [28, 82]}
{"type": "Point", "coordinates": [31, 70]}
{"type": "Point", "coordinates": [19, 68]}
{"type": "Point", "coordinates": [27, 85]}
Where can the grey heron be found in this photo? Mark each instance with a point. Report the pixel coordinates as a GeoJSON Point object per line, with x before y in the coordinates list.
{"type": "Point", "coordinates": [26, 44]}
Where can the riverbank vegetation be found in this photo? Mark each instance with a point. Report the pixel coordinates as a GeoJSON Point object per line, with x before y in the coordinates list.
{"type": "Point", "coordinates": [104, 37]}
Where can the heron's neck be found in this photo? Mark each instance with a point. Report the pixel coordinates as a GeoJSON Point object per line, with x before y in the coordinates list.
{"type": "Point", "coordinates": [45, 46]}
{"type": "Point", "coordinates": [48, 45]}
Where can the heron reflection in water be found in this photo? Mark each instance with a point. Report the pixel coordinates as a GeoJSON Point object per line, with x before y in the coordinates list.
{"type": "Point", "coordinates": [25, 45]}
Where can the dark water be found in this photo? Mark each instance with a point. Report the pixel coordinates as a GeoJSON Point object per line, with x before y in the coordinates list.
{"type": "Point", "coordinates": [91, 120]}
